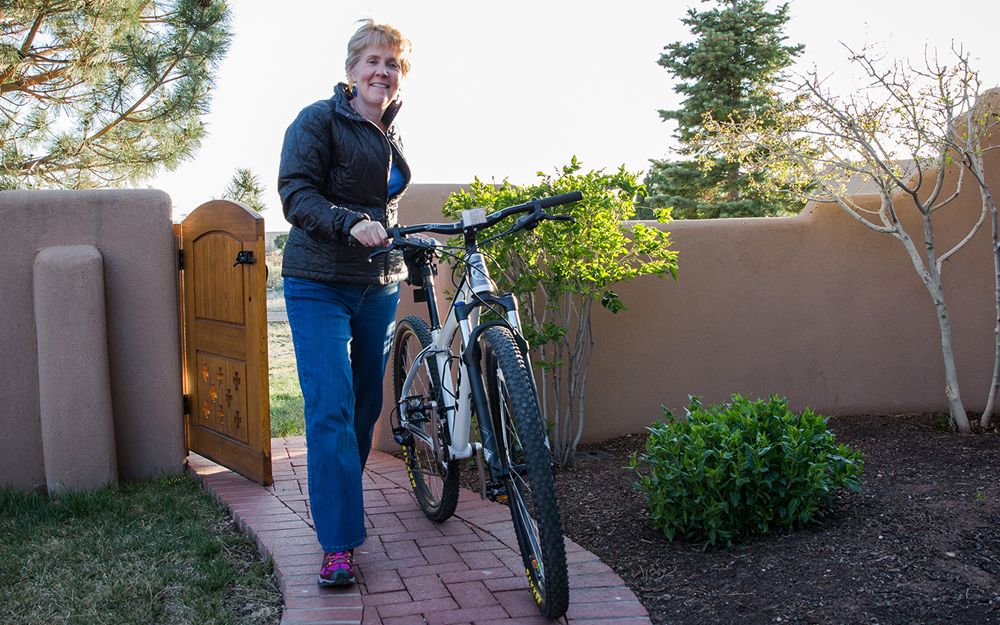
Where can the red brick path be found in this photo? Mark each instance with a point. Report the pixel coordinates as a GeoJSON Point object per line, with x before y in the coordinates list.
{"type": "Point", "coordinates": [411, 571]}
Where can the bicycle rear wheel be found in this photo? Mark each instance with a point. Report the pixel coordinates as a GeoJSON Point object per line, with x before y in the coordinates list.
{"type": "Point", "coordinates": [527, 465]}
{"type": "Point", "coordinates": [435, 486]}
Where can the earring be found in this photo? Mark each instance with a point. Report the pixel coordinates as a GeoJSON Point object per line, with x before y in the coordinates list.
{"type": "Point", "coordinates": [354, 89]}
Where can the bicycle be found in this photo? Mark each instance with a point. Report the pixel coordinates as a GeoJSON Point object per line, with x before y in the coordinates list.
{"type": "Point", "coordinates": [437, 393]}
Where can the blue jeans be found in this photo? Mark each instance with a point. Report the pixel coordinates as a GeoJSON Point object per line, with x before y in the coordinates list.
{"type": "Point", "coordinates": [342, 335]}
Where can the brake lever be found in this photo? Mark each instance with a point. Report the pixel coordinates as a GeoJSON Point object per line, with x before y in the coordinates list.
{"type": "Point", "coordinates": [522, 223]}
{"type": "Point", "coordinates": [394, 242]}
{"type": "Point", "coordinates": [398, 242]}
{"type": "Point", "coordinates": [568, 218]}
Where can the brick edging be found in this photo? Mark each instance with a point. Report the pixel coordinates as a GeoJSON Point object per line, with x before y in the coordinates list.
{"type": "Point", "coordinates": [284, 537]}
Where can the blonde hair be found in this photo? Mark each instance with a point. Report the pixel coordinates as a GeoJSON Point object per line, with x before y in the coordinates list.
{"type": "Point", "coordinates": [378, 35]}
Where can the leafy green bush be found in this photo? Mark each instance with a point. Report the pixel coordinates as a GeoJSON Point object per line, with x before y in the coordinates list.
{"type": "Point", "coordinates": [741, 468]}
{"type": "Point", "coordinates": [559, 271]}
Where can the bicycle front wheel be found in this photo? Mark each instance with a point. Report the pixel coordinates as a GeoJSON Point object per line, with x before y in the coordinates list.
{"type": "Point", "coordinates": [527, 467]}
{"type": "Point", "coordinates": [434, 484]}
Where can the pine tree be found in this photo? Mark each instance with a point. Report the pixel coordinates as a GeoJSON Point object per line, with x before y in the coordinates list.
{"type": "Point", "coordinates": [104, 92]}
{"type": "Point", "coordinates": [729, 69]}
{"type": "Point", "coordinates": [246, 187]}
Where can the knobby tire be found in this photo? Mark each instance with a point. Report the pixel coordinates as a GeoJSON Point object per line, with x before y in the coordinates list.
{"type": "Point", "coordinates": [526, 459]}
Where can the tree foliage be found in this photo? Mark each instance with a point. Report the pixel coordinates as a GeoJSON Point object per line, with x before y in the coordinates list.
{"type": "Point", "coordinates": [103, 92]}
{"type": "Point", "coordinates": [558, 271]}
{"type": "Point", "coordinates": [246, 187]}
{"type": "Point", "coordinates": [738, 54]}
{"type": "Point", "coordinates": [901, 133]}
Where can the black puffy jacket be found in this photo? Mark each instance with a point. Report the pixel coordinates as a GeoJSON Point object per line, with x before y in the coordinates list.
{"type": "Point", "coordinates": [334, 172]}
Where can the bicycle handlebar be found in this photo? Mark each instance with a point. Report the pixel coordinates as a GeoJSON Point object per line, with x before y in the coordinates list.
{"type": "Point", "coordinates": [492, 219]}
{"type": "Point", "coordinates": [535, 207]}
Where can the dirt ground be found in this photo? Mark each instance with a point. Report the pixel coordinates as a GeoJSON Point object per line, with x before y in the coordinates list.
{"type": "Point", "coordinates": [920, 544]}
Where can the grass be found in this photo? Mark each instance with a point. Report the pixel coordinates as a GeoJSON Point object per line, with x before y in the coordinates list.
{"type": "Point", "coordinates": [159, 551]}
{"type": "Point", "coordinates": [286, 397]}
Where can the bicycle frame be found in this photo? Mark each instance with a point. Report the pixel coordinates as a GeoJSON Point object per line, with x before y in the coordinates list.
{"type": "Point", "coordinates": [475, 291]}
{"type": "Point", "coordinates": [457, 405]}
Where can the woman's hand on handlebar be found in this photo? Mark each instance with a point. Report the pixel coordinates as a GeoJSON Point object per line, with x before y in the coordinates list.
{"type": "Point", "coordinates": [370, 233]}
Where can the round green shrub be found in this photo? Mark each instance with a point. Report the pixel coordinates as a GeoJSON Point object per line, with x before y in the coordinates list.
{"type": "Point", "coordinates": [741, 468]}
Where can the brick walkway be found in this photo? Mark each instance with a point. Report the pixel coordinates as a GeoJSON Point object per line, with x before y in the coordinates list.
{"type": "Point", "coordinates": [411, 571]}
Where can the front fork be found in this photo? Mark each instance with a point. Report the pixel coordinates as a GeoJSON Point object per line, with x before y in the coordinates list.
{"type": "Point", "coordinates": [492, 447]}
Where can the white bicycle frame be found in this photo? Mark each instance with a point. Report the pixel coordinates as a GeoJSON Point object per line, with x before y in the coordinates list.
{"type": "Point", "coordinates": [457, 406]}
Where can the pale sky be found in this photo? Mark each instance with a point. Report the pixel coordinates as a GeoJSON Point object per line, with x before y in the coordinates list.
{"type": "Point", "coordinates": [503, 90]}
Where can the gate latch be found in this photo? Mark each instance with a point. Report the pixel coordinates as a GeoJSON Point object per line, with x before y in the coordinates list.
{"type": "Point", "coordinates": [245, 258]}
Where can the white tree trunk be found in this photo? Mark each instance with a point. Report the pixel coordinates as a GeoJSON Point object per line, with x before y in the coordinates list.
{"type": "Point", "coordinates": [932, 280]}
{"type": "Point", "coordinates": [987, 197]}
{"type": "Point", "coordinates": [950, 372]}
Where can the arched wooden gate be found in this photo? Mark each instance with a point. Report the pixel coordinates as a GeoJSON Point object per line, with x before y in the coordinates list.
{"type": "Point", "coordinates": [224, 301]}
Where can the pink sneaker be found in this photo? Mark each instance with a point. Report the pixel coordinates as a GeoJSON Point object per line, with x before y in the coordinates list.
{"type": "Point", "coordinates": [337, 569]}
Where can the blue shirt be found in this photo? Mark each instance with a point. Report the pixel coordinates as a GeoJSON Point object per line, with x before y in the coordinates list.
{"type": "Point", "coordinates": [395, 180]}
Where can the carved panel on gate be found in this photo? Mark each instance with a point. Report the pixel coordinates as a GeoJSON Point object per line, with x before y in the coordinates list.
{"type": "Point", "coordinates": [224, 405]}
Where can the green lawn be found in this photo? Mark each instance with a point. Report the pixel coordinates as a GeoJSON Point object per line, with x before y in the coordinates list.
{"type": "Point", "coordinates": [286, 397]}
{"type": "Point", "coordinates": [152, 552]}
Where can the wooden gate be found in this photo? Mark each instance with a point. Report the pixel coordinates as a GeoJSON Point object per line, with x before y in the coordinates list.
{"type": "Point", "coordinates": [225, 338]}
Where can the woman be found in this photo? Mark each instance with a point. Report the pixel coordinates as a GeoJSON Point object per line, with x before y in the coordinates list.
{"type": "Point", "coordinates": [342, 172]}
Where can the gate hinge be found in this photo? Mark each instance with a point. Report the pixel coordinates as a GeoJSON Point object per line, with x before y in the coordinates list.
{"type": "Point", "coordinates": [180, 260]}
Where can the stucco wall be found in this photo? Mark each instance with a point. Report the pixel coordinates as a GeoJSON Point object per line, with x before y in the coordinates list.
{"type": "Point", "coordinates": [815, 308]}
{"type": "Point", "coordinates": [133, 232]}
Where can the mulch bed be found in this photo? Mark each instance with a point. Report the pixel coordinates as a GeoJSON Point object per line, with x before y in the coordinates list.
{"type": "Point", "coordinates": [920, 544]}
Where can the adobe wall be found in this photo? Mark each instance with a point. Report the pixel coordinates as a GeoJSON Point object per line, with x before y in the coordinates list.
{"type": "Point", "coordinates": [133, 233]}
{"type": "Point", "coordinates": [815, 308]}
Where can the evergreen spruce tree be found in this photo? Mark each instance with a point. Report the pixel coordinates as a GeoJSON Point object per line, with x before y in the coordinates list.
{"type": "Point", "coordinates": [100, 93]}
{"type": "Point", "coordinates": [736, 58]}
{"type": "Point", "coordinates": [246, 187]}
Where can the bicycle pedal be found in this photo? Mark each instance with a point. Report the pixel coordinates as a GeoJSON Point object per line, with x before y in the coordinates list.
{"type": "Point", "coordinates": [402, 436]}
{"type": "Point", "coordinates": [416, 410]}
{"type": "Point", "coordinates": [496, 492]}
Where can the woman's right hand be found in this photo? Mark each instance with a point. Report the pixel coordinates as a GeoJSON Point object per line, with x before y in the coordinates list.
{"type": "Point", "coordinates": [370, 233]}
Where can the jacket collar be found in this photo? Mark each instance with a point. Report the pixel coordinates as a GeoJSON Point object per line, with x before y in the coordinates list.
{"type": "Point", "coordinates": [342, 98]}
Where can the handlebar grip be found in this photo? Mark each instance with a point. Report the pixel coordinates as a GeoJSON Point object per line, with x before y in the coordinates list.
{"type": "Point", "coordinates": [564, 198]}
